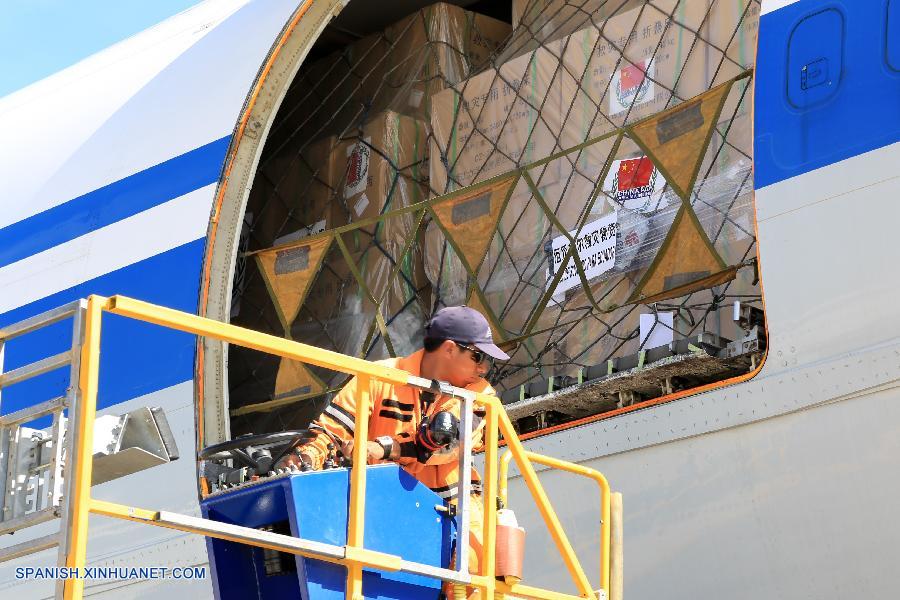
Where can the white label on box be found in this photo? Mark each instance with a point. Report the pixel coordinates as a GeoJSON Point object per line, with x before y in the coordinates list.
{"type": "Point", "coordinates": [636, 184]}
{"type": "Point", "coordinates": [657, 333]}
{"type": "Point", "coordinates": [415, 98]}
{"type": "Point", "coordinates": [632, 85]}
{"type": "Point", "coordinates": [317, 227]}
{"type": "Point", "coordinates": [357, 174]}
{"type": "Point", "coordinates": [595, 248]}
{"type": "Point", "coordinates": [360, 205]}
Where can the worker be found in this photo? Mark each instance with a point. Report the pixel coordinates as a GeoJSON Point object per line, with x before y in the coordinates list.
{"type": "Point", "coordinates": [415, 428]}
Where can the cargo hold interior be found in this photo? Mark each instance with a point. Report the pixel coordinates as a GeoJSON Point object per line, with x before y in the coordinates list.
{"type": "Point", "coordinates": [579, 170]}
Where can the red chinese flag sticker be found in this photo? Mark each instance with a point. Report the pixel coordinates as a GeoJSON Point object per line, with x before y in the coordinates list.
{"type": "Point", "coordinates": [634, 173]}
{"type": "Point", "coordinates": [632, 76]}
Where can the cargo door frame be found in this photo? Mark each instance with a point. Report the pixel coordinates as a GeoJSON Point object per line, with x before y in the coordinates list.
{"type": "Point", "coordinates": [264, 99]}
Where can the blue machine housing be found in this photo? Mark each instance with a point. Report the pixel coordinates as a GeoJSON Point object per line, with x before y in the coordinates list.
{"type": "Point", "coordinates": [827, 81]}
{"type": "Point", "coordinates": [400, 519]}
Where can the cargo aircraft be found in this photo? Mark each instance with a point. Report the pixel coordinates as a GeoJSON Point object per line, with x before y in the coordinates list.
{"type": "Point", "coordinates": [128, 173]}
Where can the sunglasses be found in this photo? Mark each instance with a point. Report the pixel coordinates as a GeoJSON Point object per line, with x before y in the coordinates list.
{"type": "Point", "coordinates": [479, 356]}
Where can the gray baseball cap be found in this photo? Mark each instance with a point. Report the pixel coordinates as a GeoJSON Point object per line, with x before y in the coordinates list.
{"type": "Point", "coordinates": [466, 326]}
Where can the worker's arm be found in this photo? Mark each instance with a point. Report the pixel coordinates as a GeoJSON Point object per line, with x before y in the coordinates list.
{"type": "Point", "coordinates": [435, 442]}
{"type": "Point", "coordinates": [335, 425]}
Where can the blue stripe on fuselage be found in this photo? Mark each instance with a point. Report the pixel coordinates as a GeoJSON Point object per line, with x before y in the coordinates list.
{"type": "Point", "coordinates": [136, 358]}
{"type": "Point", "coordinates": [114, 202]}
{"type": "Point", "coordinates": [861, 114]}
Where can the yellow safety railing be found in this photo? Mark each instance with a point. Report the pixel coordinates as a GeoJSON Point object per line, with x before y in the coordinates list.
{"type": "Point", "coordinates": [605, 501]}
{"type": "Point", "coordinates": [354, 556]}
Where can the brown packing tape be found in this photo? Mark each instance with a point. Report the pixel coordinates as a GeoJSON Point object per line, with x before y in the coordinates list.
{"type": "Point", "coordinates": [510, 544]}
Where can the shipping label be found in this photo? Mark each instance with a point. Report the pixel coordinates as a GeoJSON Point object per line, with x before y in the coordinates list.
{"type": "Point", "coordinates": [632, 85]}
{"type": "Point", "coordinates": [595, 249]}
{"type": "Point", "coordinates": [358, 156]}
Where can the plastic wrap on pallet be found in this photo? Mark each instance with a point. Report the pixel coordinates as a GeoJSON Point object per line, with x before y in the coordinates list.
{"type": "Point", "coordinates": [373, 98]}
{"type": "Point", "coordinates": [722, 203]}
{"type": "Point", "coordinates": [338, 315]}
{"type": "Point", "coordinates": [567, 335]}
{"type": "Point", "coordinates": [292, 196]}
{"type": "Point", "coordinates": [537, 22]}
{"type": "Point", "coordinates": [382, 170]}
{"type": "Point", "coordinates": [608, 73]}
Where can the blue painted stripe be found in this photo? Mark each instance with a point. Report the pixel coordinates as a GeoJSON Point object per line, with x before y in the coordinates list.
{"type": "Point", "coordinates": [114, 202]}
{"type": "Point", "coordinates": [843, 104]}
{"type": "Point", "coordinates": [136, 358]}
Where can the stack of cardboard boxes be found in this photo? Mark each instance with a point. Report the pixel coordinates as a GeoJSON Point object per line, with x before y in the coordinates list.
{"type": "Point", "coordinates": [573, 74]}
{"type": "Point", "coordinates": [418, 110]}
{"type": "Point", "coordinates": [354, 145]}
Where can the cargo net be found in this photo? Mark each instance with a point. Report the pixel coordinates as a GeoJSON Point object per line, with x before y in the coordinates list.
{"type": "Point", "coordinates": [583, 179]}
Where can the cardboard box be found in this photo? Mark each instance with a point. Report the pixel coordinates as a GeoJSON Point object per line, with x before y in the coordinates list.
{"type": "Point", "coordinates": [630, 69]}
{"type": "Point", "coordinates": [732, 26]}
{"type": "Point", "coordinates": [383, 167]}
{"type": "Point", "coordinates": [292, 196]}
{"type": "Point", "coordinates": [493, 122]}
{"type": "Point", "coordinates": [431, 49]}
{"type": "Point", "coordinates": [337, 313]}
{"type": "Point", "coordinates": [510, 116]}
{"type": "Point", "coordinates": [537, 22]}
{"type": "Point", "coordinates": [397, 69]}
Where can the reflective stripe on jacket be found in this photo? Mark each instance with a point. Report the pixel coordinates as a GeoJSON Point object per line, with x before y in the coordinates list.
{"type": "Point", "coordinates": [395, 411]}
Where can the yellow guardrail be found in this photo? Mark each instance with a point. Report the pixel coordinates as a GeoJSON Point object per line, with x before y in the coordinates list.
{"type": "Point", "coordinates": [353, 555]}
{"type": "Point", "coordinates": [605, 501]}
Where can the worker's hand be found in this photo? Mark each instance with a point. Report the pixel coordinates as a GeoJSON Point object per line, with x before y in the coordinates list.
{"type": "Point", "coordinates": [302, 461]}
{"type": "Point", "coordinates": [374, 451]}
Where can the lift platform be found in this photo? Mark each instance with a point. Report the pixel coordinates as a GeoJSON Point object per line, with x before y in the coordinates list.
{"type": "Point", "coordinates": [312, 535]}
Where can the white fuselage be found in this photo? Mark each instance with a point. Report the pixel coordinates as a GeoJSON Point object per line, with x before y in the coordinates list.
{"type": "Point", "coordinates": [781, 486]}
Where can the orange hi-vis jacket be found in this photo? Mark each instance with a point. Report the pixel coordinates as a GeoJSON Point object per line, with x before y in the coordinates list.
{"type": "Point", "coordinates": [395, 411]}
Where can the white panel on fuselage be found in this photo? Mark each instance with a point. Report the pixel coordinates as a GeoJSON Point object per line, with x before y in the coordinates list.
{"type": "Point", "coordinates": [47, 123]}
{"type": "Point", "coordinates": [799, 506]}
{"type": "Point", "coordinates": [102, 251]}
{"type": "Point", "coordinates": [827, 260]}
